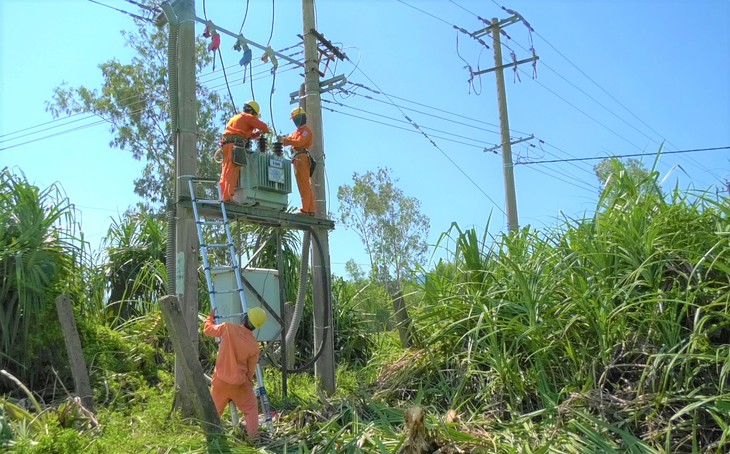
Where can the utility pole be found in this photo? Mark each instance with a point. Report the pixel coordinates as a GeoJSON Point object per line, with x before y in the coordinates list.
{"type": "Point", "coordinates": [186, 166]}
{"type": "Point", "coordinates": [324, 367]}
{"type": "Point", "coordinates": [509, 176]}
{"type": "Point", "coordinates": [508, 165]}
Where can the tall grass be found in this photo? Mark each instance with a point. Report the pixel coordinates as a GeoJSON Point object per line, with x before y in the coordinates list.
{"type": "Point", "coordinates": [619, 323]}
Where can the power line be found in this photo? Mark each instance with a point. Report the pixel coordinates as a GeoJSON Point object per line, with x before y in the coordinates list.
{"type": "Point", "coordinates": [434, 143]}
{"type": "Point", "coordinates": [388, 95]}
{"type": "Point", "coordinates": [695, 150]}
{"type": "Point", "coordinates": [584, 112]}
{"type": "Point", "coordinates": [428, 14]}
{"type": "Point", "coordinates": [136, 16]}
{"type": "Point", "coordinates": [89, 116]}
{"type": "Point", "coordinates": [411, 130]}
{"type": "Point", "coordinates": [691, 160]}
{"type": "Point", "coordinates": [55, 134]}
{"type": "Point", "coordinates": [430, 115]}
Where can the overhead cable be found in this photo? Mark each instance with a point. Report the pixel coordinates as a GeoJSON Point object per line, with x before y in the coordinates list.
{"type": "Point", "coordinates": [694, 150]}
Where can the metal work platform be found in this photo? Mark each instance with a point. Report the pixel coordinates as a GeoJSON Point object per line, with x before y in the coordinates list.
{"type": "Point", "coordinates": [261, 216]}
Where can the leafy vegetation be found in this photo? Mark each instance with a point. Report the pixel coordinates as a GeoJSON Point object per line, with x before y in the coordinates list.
{"type": "Point", "coordinates": [608, 334]}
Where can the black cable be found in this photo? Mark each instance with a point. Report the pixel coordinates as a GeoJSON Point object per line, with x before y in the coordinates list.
{"type": "Point", "coordinates": [432, 115]}
{"type": "Point", "coordinates": [326, 310]}
{"type": "Point", "coordinates": [695, 150]}
{"type": "Point", "coordinates": [54, 135]}
{"type": "Point", "coordinates": [411, 130]}
{"type": "Point", "coordinates": [153, 9]}
{"type": "Point", "coordinates": [233, 102]}
{"type": "Point", "coordinates": [399, 120]}
{"type": "Point", "coordinates": [245, 15]}
{"type": "Point", "coordinates": [138, 17]}
{"type": "Point", "coordinates": [89, 115]}
{"type": "Point", "coordinates": [428, 14]}
{"type": "Point", "coordinates": [273, 15]}
{"type": "Point", "coordinates": [429, 107]}
{"type": "Point", "coordinates": [447, 156]}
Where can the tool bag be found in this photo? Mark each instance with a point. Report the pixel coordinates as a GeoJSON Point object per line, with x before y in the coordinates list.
{"type": "Point", "coordinates": [239, 155]}
{"type": "Point", "coordinates": [312, 162]}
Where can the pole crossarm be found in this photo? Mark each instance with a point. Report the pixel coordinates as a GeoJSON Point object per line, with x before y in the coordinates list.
{"type": "Point", "coordinates": [326, 43]}
{"type": "Point", "coordinates": [514, 142]}
{"type": "Point", "coordinates": [508, 65]}
{"type": "Point", "coordinates": [324, 86]}
{"type": "Point", "coordinates": [503, 23]}
{"type": "Point", "coordinates": [240, 37]}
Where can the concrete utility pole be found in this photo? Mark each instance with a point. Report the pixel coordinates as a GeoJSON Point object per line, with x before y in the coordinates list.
{"type": "Point", "coordinates": [186, 165]}
{"type": "Point", "coordinates": [509, 176]}
{"type": "Point", "coordinates": [324, 367]}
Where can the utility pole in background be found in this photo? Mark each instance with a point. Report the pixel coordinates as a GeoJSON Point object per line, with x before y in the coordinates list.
{"type": "Point", "coordinates": [509, 178]}
{"type": "Point", "coordinates": [324, 367]}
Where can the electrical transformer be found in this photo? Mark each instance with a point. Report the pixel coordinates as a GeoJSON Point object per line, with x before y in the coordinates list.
{"type": "Point", "coordinates": [265, 180]}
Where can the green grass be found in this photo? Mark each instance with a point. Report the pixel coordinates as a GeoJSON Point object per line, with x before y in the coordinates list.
{"type": "Point", "coordinates": [606, 334]}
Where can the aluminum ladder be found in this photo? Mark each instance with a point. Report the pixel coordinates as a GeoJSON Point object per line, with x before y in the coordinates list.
{"type": "Point", "coordinates": [200, 224]}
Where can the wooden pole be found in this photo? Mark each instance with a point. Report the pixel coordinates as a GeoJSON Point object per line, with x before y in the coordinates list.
{"type": "Point", "coordinates": [190, 367]}
{"type": "Point", "coordinates": [76, 360]}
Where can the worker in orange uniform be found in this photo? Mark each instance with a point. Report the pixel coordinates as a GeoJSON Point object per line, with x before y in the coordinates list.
{"type": "Point", "coordinates": [300, 140]}
{"type": "Point", "coordinates": [238, 355]}
{"type": "Point", "coordinates": [240, 129]}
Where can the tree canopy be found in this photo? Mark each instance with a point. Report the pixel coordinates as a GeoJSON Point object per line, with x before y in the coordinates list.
{"type": "Point", "coordinates": [134, 100]}
{"type": "Point", "coordinates": [389, 223]}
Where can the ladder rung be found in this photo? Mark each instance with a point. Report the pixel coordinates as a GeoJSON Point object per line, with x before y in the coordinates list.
{"type": "Point", "coordinates": [223, 292]}
{"type": "Point", "coordinates": [208, 201]}
{"type": "Point", "coordinates": [216, 222]}
{"type": "Point", "coordinates": [221, 268]}
{"type": "Point", "coordinates": [215, 245]}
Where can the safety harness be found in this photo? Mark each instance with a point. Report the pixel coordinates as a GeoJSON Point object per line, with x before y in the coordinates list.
{"type": "Point", "coordinates": [312, 162]}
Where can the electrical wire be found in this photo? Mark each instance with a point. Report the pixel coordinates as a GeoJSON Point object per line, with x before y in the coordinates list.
{"type": "Point", "coordinates": [492, 131]}
{"type": "Point", "coordinates": [245, 15]}
{"type": "Point", "coordinates": [223, 67]}
{"type": "Point", "coordinates": [387, 95]}
{"type": "Point", "coordinates": [663, 140]}
{"type": "Point", "coordinates": [633, 155]}
{"type": "Point", "coordinates": [273, 15]}
{"type": "Point", "coordinates": [96, 123]}
{"type": "Point", "coordinates": [434, 143]}
{"type": "Point", "coordinates": [398, 120]}
{"type": "Point", "coordinates": [153, 9]}
{"type": "Point", "coordinates": [411, 130]}
{"type": "Point", "coordinates": [135, 16]}
{"type": "Point", "coordinates": [428, 14]}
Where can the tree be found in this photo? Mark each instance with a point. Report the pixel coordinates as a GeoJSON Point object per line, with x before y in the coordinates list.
{"type": "Point", "coordinates": [608, 167]}
{"type": "Point", "coordinates": [38, 261]}
{"type": "Point", "coordinates": [134, 100]}
{"type": "Point", "coordinates": [135, 264]}
{"type": "Point", "coordinates": [391, 227]}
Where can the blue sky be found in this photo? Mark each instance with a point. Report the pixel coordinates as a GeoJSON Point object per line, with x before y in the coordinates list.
{"type": "Point", "coordinates": [614, 77]}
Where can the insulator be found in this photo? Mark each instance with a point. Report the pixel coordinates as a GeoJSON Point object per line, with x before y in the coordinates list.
{"type": "Point", "coordinates": [262, 144]}
{"type": "Point", "coordinates": [278, 148]}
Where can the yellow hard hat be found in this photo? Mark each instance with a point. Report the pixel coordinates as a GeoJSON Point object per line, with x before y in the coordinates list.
{"type": "Point", "coordinates": [254, 106]}
{"type": "Point", "coordinates": [298, 111]}
{"type": "Point", "coordinates": [257, 317]}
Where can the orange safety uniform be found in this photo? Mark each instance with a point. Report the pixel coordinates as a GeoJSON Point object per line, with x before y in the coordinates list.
{"type": "Point", "coordinates": [240, 127]}
{"type": "Point", "coordinates": [300, 140]}
{"type": "Point", "coordinates": [238, 355]}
